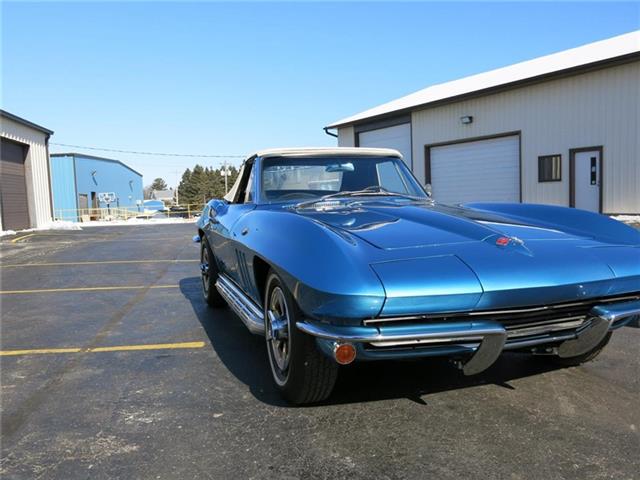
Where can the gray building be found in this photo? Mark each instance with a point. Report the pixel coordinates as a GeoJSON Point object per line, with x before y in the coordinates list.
{"type": "Point", "coordinates": [25, 195]}
{"type": "Point", "coordinates": [561, 129]}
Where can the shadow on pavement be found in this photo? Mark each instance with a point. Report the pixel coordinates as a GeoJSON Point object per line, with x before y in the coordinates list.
{"type": "Point", "coordinates": [244, 355]}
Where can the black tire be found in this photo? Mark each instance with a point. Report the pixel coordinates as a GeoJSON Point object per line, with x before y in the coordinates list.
{"type": "Point", "coordinates": [309, 376]}
{"type": "Point", "coordinates": [585, 357]}
{"type": "Point", "coordinates": [209, 275]}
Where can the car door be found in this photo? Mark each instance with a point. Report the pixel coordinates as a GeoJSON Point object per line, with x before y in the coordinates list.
{"type": "Point", "coordinates": [224, 240]}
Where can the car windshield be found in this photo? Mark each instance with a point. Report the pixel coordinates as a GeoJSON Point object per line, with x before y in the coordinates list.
{"type": "Point", "coordinates": [287, 179]}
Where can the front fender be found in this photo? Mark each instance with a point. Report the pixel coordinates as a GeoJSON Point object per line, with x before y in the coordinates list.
{"type": "Point", "coordinates": [327, 270]}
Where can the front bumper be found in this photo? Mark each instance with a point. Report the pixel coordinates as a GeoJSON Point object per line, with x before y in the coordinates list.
{"type": "Point", "coordinates": [484, 340]}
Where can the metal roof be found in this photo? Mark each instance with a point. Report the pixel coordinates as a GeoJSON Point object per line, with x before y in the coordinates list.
{"type": "Point", "coordinates": [92, 157]}
{"type": "Point", "coordinates": [575, 59]}
{"type": "Point", "coordinates": [163, 194]}
{"type": "Point", "coordinates": [327, 151]}
{"type": "Point", "coordinates": [27, 123]}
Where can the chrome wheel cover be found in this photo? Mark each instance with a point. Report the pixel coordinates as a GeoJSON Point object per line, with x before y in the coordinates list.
{"type": "Point", "coordinates": [277, 325]}
{"type": "Point", "coordinates": [204, 269]}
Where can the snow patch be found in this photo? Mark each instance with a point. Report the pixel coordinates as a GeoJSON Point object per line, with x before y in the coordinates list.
{"type": "Point", "coordinates": [54, 225]}
{"type": "Point", "coordinates": [627, 218]}
{"type": "Point", "coordinates": [65, 225]}
{"type": "Point", "coordinates": [137, 221]}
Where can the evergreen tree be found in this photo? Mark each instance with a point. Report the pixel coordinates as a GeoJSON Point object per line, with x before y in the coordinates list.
{"type": "Point", "coordinates": [204, 183]}
{"type": "Point", "coordinates": [185, 190]}
{"type": "Point", "coordinates": [158, 184]}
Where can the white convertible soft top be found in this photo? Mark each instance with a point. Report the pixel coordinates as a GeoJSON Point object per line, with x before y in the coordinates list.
{"type": "Point", "coordinates": [327, 151]}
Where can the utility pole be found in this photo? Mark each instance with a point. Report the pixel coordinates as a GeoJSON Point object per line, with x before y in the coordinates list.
{"type": "Point", "coordinates": [225, 173]}
{"type": "Point", "coordinates": [177, 172]}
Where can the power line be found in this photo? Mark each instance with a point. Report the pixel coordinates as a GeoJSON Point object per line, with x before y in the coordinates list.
{"type": "Point", "coordinates": [146, 153]}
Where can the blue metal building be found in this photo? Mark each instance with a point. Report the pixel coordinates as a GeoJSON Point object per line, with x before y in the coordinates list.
{"type": "Point", "coordinates": [80, 181]}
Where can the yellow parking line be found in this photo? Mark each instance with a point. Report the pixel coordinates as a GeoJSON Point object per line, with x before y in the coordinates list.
{"type": "Point", "coordinates": [85, 289]}
{"type": "Point", "coordinates": [105, 262]}
{"type": "Point", "coordinates": [110, 238]}
{"type": "Point", "coordinates": [156, 346]}
{"type": "Point", "coordinates": [5, 353]}
{"type": "Point", "coordinates": [23, 236]}
{"type": "Point", "coordinates": [117, 348]}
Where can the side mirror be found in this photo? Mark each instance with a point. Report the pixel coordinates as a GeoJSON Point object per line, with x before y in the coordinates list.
{"type": "Point", "coordinates": [427, 189]}
{"type": "Point", "coordinates": [216, 208]}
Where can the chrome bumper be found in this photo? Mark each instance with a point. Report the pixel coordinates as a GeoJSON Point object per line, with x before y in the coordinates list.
{"type": "Point", "coordinates": [487, 339]}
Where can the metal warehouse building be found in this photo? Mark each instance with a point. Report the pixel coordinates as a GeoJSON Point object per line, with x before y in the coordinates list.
{"type": "Point", "coordinates": [561, 129]}
{"type": "Point", "coordinates": [25, 197]}
{"type": "Point", "coordinates": [81, 183]}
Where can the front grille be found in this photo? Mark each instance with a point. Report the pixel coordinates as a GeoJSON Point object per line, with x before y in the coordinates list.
{"type": "Point", "coordinates": [526, 327]}
{"type": "Point", "coordinates": [511, 318]}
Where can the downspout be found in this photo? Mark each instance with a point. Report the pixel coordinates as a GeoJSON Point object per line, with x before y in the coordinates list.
{"type": "Point", "coordinates": [46, 146]}
{"type": "Point", "coordinates": [326, 130]}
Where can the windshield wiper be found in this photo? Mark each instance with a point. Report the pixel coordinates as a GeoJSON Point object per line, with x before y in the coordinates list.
{"type": "Point", "coordinates": [373, 190]}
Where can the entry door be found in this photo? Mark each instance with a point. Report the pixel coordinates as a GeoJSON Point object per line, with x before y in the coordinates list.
{"type": "Point", "coordinates": [587, 179]}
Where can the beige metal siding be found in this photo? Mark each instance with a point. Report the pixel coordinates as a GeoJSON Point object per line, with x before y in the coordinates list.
{"type": "Point", "coordinates": [599, 108]}
{"type": "Point", "coordinates": [346, 137]}
{"type": "Point", "coordinates": [36, 169]}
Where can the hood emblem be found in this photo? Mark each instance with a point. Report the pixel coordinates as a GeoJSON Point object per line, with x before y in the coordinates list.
{"type": "Point", "coordinates": [504, 241]}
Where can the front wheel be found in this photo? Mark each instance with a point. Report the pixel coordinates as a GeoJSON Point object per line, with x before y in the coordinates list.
{"type": "Point", "coordinates": [301, 372]}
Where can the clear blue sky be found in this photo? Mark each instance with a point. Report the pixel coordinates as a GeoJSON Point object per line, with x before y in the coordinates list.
{"type": "Point", "coordinates": [222, 78]}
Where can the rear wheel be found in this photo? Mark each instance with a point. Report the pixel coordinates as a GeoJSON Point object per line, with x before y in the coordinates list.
{"type": "Point", "coordinates": [301, 372]}
{"type": "Point", "coordinates": [209, 275]}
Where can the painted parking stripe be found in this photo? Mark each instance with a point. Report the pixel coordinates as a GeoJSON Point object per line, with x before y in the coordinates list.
{"type": "Point", "coordinates": [17, 239]}
{"type": "Point", "coordinates": [112, 238]}
{"type": "Point", "coordinates": [43, 234]}
{"type": "Point", "coordinates": [105, 262]}
{"type": "Point", "coordinates": [116, 348]}
{"type": "Point", "coordinates": [86, 289]}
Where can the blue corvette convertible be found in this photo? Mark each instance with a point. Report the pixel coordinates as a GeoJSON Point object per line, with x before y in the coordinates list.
{"type": "Point", "coordinates": [339, 255]}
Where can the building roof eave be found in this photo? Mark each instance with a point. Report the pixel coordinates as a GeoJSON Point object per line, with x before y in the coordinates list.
{"type": "Point", "coordinates": [22, 121]}
{"type": "Point", "coordinates": [618, 50]}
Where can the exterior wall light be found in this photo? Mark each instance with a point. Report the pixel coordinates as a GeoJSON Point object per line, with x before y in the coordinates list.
{"type": "Point", "coordinates": [466, 120]}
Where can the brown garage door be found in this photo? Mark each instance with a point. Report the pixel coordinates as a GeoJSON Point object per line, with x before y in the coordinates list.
{"type": "Point", "coordinates": [13, 189]}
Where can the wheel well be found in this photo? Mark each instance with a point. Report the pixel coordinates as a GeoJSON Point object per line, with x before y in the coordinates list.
{"type": "Point", "coordinates": [260, 272]}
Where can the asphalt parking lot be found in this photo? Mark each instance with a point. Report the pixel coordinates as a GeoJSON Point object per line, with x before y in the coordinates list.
{"type": "Point", "coordinates": [112, 366]}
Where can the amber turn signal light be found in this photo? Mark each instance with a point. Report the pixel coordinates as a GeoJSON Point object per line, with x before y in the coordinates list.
{"type": "Point", "coordinates": [344, 353]}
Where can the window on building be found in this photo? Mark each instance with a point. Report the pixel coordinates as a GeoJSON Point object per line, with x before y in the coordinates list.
{"type": "Point", "coordinates": [550, 168]}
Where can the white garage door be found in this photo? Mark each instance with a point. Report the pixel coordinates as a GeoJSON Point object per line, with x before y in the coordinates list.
{"type": "Point", "coordinates": [486, 170]}
{"type": "Point", "coordinates": [397, 137]}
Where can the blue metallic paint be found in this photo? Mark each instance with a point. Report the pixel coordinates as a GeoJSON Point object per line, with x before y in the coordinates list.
{"type": "Point", "coordinates": [392, 257]}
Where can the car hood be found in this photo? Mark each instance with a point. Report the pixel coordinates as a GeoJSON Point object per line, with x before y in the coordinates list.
{"type": "Point", "coordinates": [439, 258]}
{"type": "Point", "coordinates": [389, 225]}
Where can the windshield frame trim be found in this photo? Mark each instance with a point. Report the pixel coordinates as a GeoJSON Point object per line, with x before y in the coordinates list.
{"type": "Point", "coordinates": [260, 200]}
